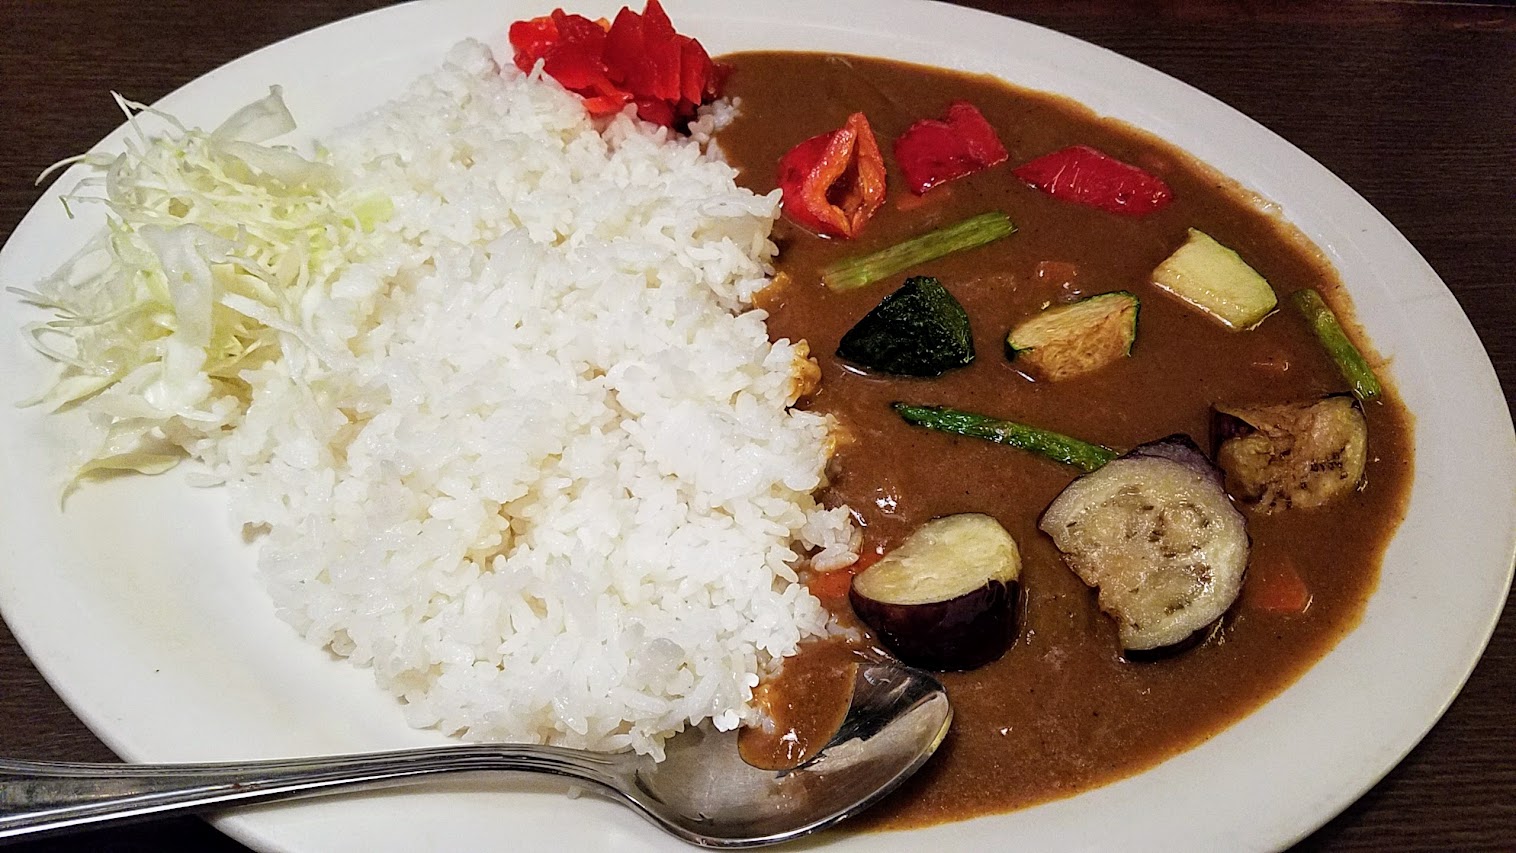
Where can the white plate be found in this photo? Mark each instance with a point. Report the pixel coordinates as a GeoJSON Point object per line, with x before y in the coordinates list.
{"type": "Point", "coordinates": [140, 606]}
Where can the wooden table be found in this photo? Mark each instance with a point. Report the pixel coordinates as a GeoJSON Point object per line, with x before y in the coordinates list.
{"type": "Point", "coordinates": [1413, 104]}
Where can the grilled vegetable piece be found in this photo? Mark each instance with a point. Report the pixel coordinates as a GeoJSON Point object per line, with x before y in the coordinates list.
{"type": "Point", "coordinates": [1355, 369]}
{"type": "Point", "coordinates": [1293, 455]}
{"type": "Point", "coordinates": [1218, 281]}
{"type": "Point", "coordinates": [638, 59]}
{"type": "Point", "coordinates": [935, 151]}
{"type": "Point", "coordinates": [1155, 532]}
{"type": "Point", "coordinates": [1083, 175]}
{"type": "Point", "coordinates": [946, 598]}
{"type": "Point", "coordinates": [855, 272]}
{"type": "Point", "coordinates": [1052, 445]}
{"type": "Point", "coordinates": [834, 183]}
{"type": "Point", "coordinates": [1276, 588]}
{"type": "Point", "coordinates": [1066, 341]}
{"type": "Point", "coordinates": [919, 330]}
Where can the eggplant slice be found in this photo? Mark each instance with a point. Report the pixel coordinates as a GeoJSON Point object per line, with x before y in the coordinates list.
{"type": "Point", "coordinates": [946, 598]}
{"type": "Point", "coordinates": [1155, 532]}
{"type": "Point", "coordinates": [1294, 455]}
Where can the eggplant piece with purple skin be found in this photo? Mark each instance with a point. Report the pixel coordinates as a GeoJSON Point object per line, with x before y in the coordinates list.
{"type": "Point", "coordinates": [946, 598]}
{"type": "Point", "coordinates": [1292, 455]}
{"type": "Point", "coordinates": [1157, 535]}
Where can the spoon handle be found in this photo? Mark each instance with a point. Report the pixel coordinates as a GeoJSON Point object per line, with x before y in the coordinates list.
{"type": "Point", "coordinates": [40, 796]}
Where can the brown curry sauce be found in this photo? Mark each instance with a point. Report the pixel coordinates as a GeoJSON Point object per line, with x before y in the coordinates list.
{"type": "Point", "coordinates": [1061, 712]}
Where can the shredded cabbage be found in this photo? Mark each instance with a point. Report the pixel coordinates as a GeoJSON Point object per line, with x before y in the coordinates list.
{"type": "Point", "coordinates": [213, 242]}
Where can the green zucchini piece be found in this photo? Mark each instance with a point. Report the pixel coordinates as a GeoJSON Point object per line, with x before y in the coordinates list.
{"type": "Point", "coordinates": [1218, 281]}
{"type": "Point", "coordinates": [1081, 337]}
{"type": "Point", "coordinates": [1052, 445]}
{"type": "Point", "coordinates": [919, 330]}
{"type": "Point", "coordinates": [852, 273]}
{"type": "Point", "coordinates": [1355, 368]}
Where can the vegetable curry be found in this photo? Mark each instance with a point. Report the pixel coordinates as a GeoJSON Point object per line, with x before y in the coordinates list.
{"type": "Point", "coordinates": [1065, 708]}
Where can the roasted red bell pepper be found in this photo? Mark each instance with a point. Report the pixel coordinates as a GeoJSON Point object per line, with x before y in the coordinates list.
{"type": "Point", "coordinates": [934, 151]}
{"type": "Point", "coordinates": [533, 39]}
{"type": "Point", "coordinates": [834, 182]}
{"type": "Point", "coordinates": [1085, 176]}
{"type": "Point", "coordinates": [638, 59]}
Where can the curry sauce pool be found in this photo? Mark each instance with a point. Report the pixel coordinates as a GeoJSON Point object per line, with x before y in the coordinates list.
{"type": "Point", "coordinates": [1062, 711]}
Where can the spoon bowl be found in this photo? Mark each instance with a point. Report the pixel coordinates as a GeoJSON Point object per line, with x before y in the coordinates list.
{"type": "Point", "coordinates": [702, 792]}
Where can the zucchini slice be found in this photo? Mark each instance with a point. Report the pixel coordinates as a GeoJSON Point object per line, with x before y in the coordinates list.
{"type": "Point", "coordinates": [919, 330]}
{"type": "Point", "coordinates": [1218, 281]}
{"type": "Point", "coordinates": [946, 598]}
{"type": "Point", "coordinates": [1294, 455]}
{"type": "Point", "coordinates": [1066, 341]}
{"type": "Point", "coordinates": [1157, 535]}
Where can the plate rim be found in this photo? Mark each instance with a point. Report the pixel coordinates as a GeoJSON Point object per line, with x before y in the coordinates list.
{"type": "Point", "coordinates": [245, 827]}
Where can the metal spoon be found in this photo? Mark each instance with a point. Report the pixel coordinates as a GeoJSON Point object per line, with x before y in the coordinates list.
{"type": "Point", "coordinates": [702, 792]}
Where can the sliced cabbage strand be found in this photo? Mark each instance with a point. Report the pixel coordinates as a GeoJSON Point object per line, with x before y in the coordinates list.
{"type": "Point", "coordinates": [213, 243]}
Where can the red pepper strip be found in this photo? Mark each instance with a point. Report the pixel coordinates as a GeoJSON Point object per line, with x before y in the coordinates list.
{"type": "Point", "coordinates": [669, 75]}
{"type": "Point", "coordinates": [655, 111]}
{"type": "Point", "coordinates": [571, 47]}
{"type": "Point", "coordinates": [637, 59]}
{"type": "Point", "coordinates": [577, 29]}
{"type": "Point", "coordinates": [662, 54]}
{"type": "Point", "coordinates": [934, 151]}
{"type": "Point", "coordinates": [576, 64]}
{"type": "Point", "coordinates": [625, 48]}
{"type": "Point", "coordinates": [695, 84]}
{"type": "Point", "coordinates": [1085, 176]}
{"type": "Point", "coordinates": [532, 40]}
{"type": "Point", "coordinates": [834, 182]}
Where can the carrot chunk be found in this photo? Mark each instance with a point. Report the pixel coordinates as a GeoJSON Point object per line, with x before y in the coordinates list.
{"type": "Point", "coordinates": [831, 586]}
{"type": "Point", "coordinates": [1276, 587]}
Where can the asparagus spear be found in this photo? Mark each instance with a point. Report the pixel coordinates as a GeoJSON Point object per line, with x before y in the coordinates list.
{"type": "Point", "coordinates": [1349, 360]}
{"type": "Point", "coordinates": [1055, 446]}
{"type": "Point", "coordinates": [975, 231]}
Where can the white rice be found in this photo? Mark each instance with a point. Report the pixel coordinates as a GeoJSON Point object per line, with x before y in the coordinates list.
{"type": "Point", "coordinates": [535, 462]}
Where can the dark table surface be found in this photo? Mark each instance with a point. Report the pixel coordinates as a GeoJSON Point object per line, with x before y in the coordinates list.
{"type": "Point", "coordinates": [1413, 104]}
